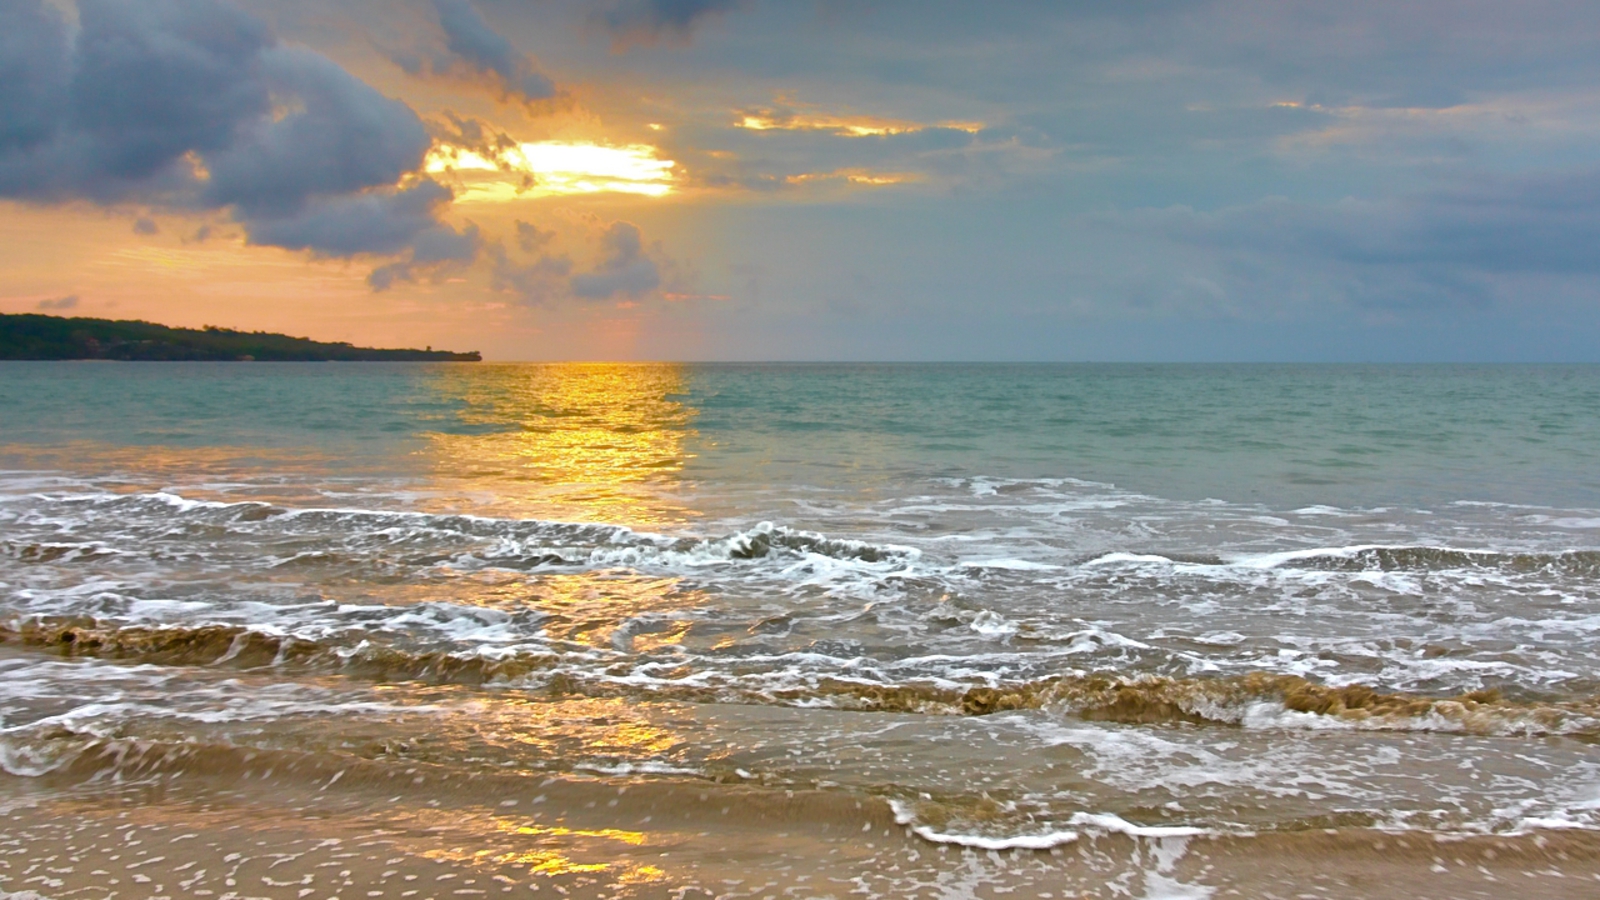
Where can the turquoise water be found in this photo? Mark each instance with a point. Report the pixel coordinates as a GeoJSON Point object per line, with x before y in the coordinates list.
{"type": "Point", "coordinates": [829, 577]}
{"type": "Point", "coordinates": [1280, 435]}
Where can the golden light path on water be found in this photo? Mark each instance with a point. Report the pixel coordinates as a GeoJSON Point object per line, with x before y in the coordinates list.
{"type": "Point", "coordinates": [590, 442]}
{"type": "Point", "coordinates": [603, 443]}
{"type": "Point", "coordinates": [551, 168]}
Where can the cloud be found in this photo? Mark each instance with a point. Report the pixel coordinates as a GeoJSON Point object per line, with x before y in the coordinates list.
{"type": "Point", "coordinates": [145, 225]}
{"type": "Point", "coordinates": [112, 114]}
{"type": "Point", "coordinates": [532, 238]}
{"type": "Point", "coordinates": [36, 73]}
{"type": "Point", "coordinates": [625, 268]}
{"type": "Point", "coordinates": [631, 22]}
{"type": "Point", "coordinates": [60, 303]}
{"type": "Point", "coordinates": [1547, 223]}
{"type": "Point", "coordinates": [774, 149]}
{"type": "Point", "coordinates": [194, 105]}
{"type": "Point", "coordinates": [475, 51]}
{"type": "Point", "coordinates": [372, 222]}
{"type": "Point", "coordinates": [1465, 244]}
{"type": "Point", "coordinates": [468, 133]}
{"type": "Point", "coordinates": [543, 280]}
{"type": "Point", "coordinates": [344, 137]}
{"type": "Point", "coordinates": [792, 117]}
{"type": "Point", "coordinates": [434, 252]}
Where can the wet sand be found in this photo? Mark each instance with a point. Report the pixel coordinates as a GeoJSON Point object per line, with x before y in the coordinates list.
{"type": "Point", "coordinates": [315, 835]}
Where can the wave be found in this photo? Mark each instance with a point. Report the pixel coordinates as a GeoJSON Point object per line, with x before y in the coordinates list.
{"type": "Point", "coordinates": [1265, 700]}
{"type": "Point", "coordinates": [1420, 558]}
{"type": "Point", "coordinates": [55, 551]}
{"type": "Point", "coordinates": [246, 647]}
{"type": "Point", "coordinates": [1258, 700]}
{"type": "Point", "coordinates": [1411, 558]}
{"type": "Point", "coordinates": [277, 537]}
{"type": "Point", "coordinates": [504, 543]}
{"type": "Point", "coordinates": [933, 820]}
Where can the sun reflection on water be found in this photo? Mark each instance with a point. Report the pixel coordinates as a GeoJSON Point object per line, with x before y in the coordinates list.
{"type": "Point", "coordinates": [635, 838]}
{"type": "Point", "coordinates": [551, 862]}
{"type": "Point", "coordinates": [590, 609]}
{"type": "Point", "coordinates": [588, 442]}
{"type": "Point", "coordinates": [572, 731]}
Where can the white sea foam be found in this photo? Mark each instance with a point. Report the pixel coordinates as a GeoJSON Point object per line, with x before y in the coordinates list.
{"type": "Point", "coordinates": [904, 815]}
{"type": "Point", "coordinates": [1571, 522]}
{"type": "Point", "coordinates": [992, 584]}
{"type": "Point", "coordinates": [1110, 822]}
{"type": "Point", "coordinates": [1013, 565]}
{"type": "Point", "coordinates": [636, 767]}
{"type": "Point", "coordinates": [1320, 510]}
{"type": "Point", "coordinates": [993, 625]}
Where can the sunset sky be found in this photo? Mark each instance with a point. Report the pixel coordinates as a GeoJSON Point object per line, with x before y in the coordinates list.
{"type": "Point", "coordinates": [815, 179]}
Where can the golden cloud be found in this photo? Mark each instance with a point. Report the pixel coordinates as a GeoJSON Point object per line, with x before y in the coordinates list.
{"type": "Point", "coordinates": [842, 126]}
{"type": "Point", "coordinates": [547, 168]}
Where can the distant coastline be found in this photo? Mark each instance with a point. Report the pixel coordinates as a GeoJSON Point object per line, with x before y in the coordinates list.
{"type": "Point", "coordinates": [40, 337]}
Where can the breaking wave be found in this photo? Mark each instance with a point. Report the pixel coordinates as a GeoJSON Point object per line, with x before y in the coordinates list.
{"type": "Point", "coordinates": [1257, 700]}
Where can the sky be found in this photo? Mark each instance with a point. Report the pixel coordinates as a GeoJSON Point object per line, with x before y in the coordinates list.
{"type": "Point", "coordinates": [1151, 180]}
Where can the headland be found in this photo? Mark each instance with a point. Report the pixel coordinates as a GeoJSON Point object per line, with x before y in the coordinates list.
{"type": "Point", "coordinates": [40, 337]}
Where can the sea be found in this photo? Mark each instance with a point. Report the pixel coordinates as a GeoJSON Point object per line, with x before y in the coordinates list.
{"type": "Point", "coordinates": [624, 630]}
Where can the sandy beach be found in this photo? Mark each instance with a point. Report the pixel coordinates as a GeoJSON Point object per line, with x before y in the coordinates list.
{"type": "Point", "coordinates": [295, 838]}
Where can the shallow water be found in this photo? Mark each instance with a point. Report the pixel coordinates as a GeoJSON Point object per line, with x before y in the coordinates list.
{"type": "Point", "coordinates": [1013, 609]}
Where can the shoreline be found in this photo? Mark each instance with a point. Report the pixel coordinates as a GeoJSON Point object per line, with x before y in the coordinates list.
{"type": "Point", "coordinates": [353, 829]}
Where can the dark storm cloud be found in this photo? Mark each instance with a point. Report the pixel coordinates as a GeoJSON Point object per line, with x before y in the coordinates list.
{"type": "Point", "coordinates": [111, 115]}
{"type": "Point", "coordinates": [625, 268]}
{"type": "Point", "coordinates": [36, 75]}
{"type": "Point", "coordinates": [343, 137]}
{"type": "Point", "coordinates": [645, 21]}
{"type": "Point", "coordinates": [192, 104]}
{"type": "Point", "coordinates": [475, 51]}
{"type": "Point", "coordinates": [156, 80]}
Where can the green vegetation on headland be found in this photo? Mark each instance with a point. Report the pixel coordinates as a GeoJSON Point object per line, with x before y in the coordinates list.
{"type": "Point", "coordinates": [31, 336]}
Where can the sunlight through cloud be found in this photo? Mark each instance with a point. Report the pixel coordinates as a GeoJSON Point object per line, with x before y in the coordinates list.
{"type": "Point", "coordinates": [547, 168]}
{"type": "Point", "coordinates": [843, 126]}
{"type": "Point", "coordinates": [855, 176]}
